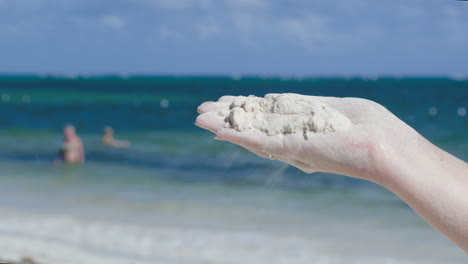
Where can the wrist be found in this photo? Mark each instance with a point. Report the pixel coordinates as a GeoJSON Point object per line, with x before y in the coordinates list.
{"type": "Point", "coordinates": [399, 155]}
{"type": "Point", "coordinates": [434, 184]}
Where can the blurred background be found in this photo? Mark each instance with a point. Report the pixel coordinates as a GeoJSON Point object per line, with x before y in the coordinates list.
{"type": "Point", "coordinates": [176, 195]}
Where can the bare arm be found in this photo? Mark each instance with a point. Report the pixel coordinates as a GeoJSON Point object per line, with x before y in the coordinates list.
{"type": "Point", "coordinates": [379, 147]}
{"type": "Point", "coordinates": [435, 184]}
{"type": "Point", "coordinates": [115, 142]}
{"type": "Point", "coordinates": [120, 143]}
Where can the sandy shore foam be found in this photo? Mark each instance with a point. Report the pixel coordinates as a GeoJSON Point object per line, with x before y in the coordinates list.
{"type": "Point", "coordinates": [62, 239]}
{"type": "Point", "coordinates": [67, 240]}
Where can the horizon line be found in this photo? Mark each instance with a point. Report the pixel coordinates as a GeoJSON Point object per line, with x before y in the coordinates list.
{"type": "Point", "coordinates": [233, 76]}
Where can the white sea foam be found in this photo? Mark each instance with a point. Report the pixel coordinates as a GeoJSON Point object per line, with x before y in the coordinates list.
{"type": "Point", "coordinates": [70, 240]}
{"type": "Point", "coordinates": [63, 239]}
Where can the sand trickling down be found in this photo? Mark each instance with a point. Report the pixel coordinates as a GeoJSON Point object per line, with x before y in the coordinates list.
{"type": "Point", "coordinates": [282, 114]}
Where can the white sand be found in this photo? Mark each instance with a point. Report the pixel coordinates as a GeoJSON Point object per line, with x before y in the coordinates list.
{"type": "Point", "coordinates": [280, 114]}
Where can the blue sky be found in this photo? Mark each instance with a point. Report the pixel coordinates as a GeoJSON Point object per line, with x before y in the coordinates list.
{"type": "Point", "coordinates": [303, 37]}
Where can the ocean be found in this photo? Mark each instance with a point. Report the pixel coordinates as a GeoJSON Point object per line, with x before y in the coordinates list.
{"type": "Point", "coordinates": [179, 196]}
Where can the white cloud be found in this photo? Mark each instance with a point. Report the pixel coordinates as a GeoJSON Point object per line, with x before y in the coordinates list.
{"type": "Point", "coordinates": [249, 27]}
{"type": "Point", "coordinates": [453, 26]}
{"type": "Point", "coordinates": [264, 27]}
{"type": "Point", "coordinates": [308, 30]}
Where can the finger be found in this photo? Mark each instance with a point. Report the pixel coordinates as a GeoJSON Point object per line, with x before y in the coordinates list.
{"type": "Point", "coordinates": [260, 153]}
{"type": "Point", "coordinates": [302, 166]}
{"type": "Point", "coordinates": [212, 107]}
{"type": "Point", "coordinates": [227, 98]}
{"type": "Point", "coordinates": [307, 168]}
{"type": "Point", "coordinates": [296, 163]}
{"type": "Point", "coordinates": [264, 154]}
{"type": "Point", "coordinates": [267, 155]}
{"type": "Point", "coordinates": [269, 144]}
{"type": "Point", "coordinates": [211, 121]}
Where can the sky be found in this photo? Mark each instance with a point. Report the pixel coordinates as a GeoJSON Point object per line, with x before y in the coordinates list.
{"type": "Point", "coordinates": [231, 37]}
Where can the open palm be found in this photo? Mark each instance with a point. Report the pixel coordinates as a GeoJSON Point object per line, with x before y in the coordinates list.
{"type": "Point", "coordinates": [357, 151]}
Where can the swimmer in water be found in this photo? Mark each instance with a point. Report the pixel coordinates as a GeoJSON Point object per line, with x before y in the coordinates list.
{"type": "Point", "coordinates": [108, 139]}
{"type": "Point", "coordinates": [378, 147]}
{"type": "Point", "coordinates": [72, 150]}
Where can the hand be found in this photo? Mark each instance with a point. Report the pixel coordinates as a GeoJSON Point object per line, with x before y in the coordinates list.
{"type": "Point", "coordinates": [377, 147]}
{"type": "Point", "coordinates": [362, 151]}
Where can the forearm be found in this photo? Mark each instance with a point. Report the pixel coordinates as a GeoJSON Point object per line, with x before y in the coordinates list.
{"type": "Point", "coordinates": [435, 184]}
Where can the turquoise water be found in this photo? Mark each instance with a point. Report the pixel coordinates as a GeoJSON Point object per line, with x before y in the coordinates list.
{"type": "Point", "coordinates": [210, 200]}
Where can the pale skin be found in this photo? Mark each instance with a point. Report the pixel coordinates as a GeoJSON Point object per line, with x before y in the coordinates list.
{"type": "Point", "coordinates": [379, 148]}
{"type": "Point", "coordinates": [72, 150]}
{"type": "Point", "coordinates": [108, 139]}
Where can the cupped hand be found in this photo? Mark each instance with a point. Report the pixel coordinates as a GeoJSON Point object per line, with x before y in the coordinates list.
{"type": "Point", "coordinates": [362, 151]}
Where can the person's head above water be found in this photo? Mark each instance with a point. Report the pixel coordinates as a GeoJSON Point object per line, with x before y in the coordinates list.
{"type": "Point", "coordinates": [108, 130]}
{"type": "Point", "coordinates": [69, 131]}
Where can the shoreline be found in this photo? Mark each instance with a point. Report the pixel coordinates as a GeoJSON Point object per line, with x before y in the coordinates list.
{"type": "Point", "coordinates": [23, 260]}
{"type": "Point", "coordinates": [54, 239]}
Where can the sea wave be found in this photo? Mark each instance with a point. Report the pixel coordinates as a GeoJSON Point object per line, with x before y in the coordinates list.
{"type": "Point", "coordinates": [65, 239]}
